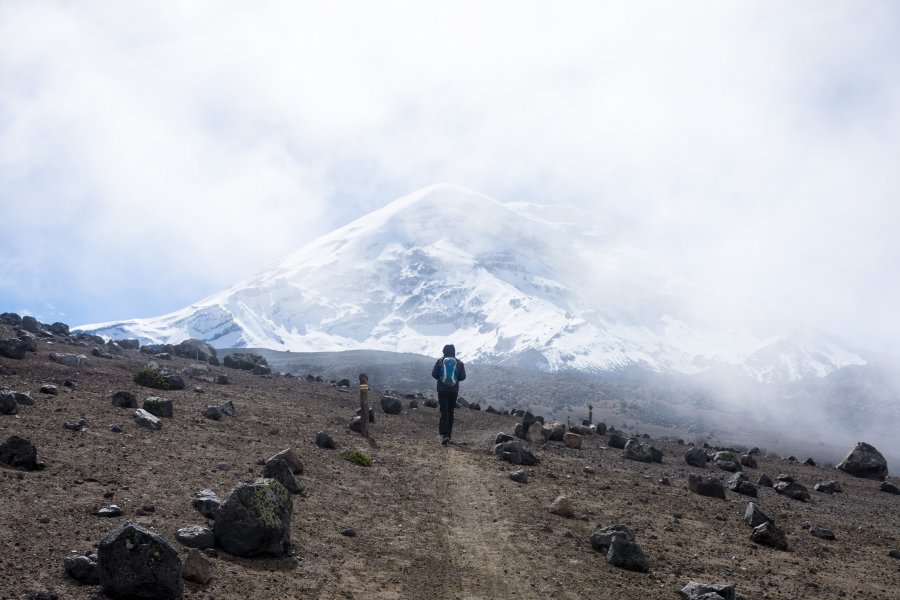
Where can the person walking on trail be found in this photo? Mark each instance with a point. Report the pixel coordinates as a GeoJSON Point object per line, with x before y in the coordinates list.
{"type": "Point", "coordinates": [449, 371]}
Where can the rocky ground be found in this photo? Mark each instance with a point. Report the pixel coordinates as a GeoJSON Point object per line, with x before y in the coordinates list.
{"type": "Point", "coordinates": [431, 521]}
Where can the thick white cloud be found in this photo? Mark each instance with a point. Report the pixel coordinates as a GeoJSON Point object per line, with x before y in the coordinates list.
{"type": "Point", "coordinates": [168, 150]}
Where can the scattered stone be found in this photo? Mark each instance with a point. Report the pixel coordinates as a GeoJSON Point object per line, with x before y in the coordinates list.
{"type": "Point", "coordinates": [635, 450]}
{"type": "Point", "coordinates": [49, 389]}
{"type": "Point", "coordinates": [69, 360]}
{"type": "Point", "coordinates": [79, 425]}
{"type": "Point", "coordinates": [515, 453]}
{"type": "Point", "coordinates": [603, 537]}
{"type": "Point", "coordinates": [279, 470]}
{"type": "Point", "coordinates": [696, 457]}
{"type": "Point", "coordinates": [866, 462]}
{"type": "Point", "coordinates": [255, 519]}
{"type": "Point", "coordinates": [809, 462]}
{"type": "Point", "coordinates": [601, 428]}
{"type": "Point", "coordinates": [109, 512]}
{"type": "Point", "coordinates": [124, 399]}
{"type": "Point", "coordinates": [626, 554]}
{"type": "Point", "coordinates": [784, 477]}
{"type": "Point", "coordinates": [764, 481]}
{"type": "Point", "coordinates": [13, 348]}
{"type": "Point", "coordinates": [247, 361]}
{"type": "Point", "coordinates": [503, 437]}
{"type": "Point", "coordinates": [573, 440]}
{"type": "Point", "coordinates": [223, 466]}
{"type": "Point", "coordinates": [519, 476]}
{"type": "Point", "coordinates": [43, 519]}
{"type": "Point", "coordinates": [536, 434]}
{"type": "Point", "coordinates": [894, 553]}
{"type": "Point", "coordinates": [738, 483]}
{"type": "Point", "coordinates": [754, 516]}
{"type": "Point", "coordinates": [159, 407]}
{"type": "Point", "coordinates": [135, 562]}
{"type": "Point", "coordinates": [348, 532]}
{"type": "Point", "coordinates": [323, 440]}
{"type": "Point", "coordinates": [145, 419]}
{"type": "Point", "coordinates": [70, 383]}
{"type": "Point", "coordinates": [82, 568]}
{"type": "Point", "coordinates": [555, 431]}
{"type": "Point", "coordinates": [101, 354]}
{"type": "Point", "coordinates": [749, 461]}
{"type": "Point", "coordinates": [726, 461]}
{"type": "Point", "coordinates": [707, 591]}
{"type": "Point", "coordinates": [206, 502]}
{"type": "Point", "coordinates": [706, 486]}
{"type": "Point", "coordinates": [819, 532]}
{"type": "Point", "coordinates": [562, 507]}
{"type": "Point", "coordinates": [290, 457]}
{"type": "Point", "coordinates": [391, 405]}
{"type": "Point", "coordinates": [768, 534]}
{"type": "Point", "coordinates": [23, 398]}
{"type": "Point", "coordinates": [616, 441]}
{"type": "Point", "coordinates": [828, 487]}
{"type": "Point", "coordinates": [792, 490]}
{"type": "Point", "coordinates": [19, 453]}
{"type": "Point", "coordinates": [588, 470]}
{"type": "Point", "coordinates": [114, 428]}
{"type": "Point", "coordinates": [196, 537]}
{"type": "Point", "coordinates": [197, 567]}
{"type": "Point", "coordinates": [8, 403]}
{"type": "Point", "coordinates": [343, 383]}
{"type": "Point", "coordinates": [890, 488]}
{"type": "Point", "coordinates": [222, 380]}
{"type": "Point", "coordinates": [213, 411]}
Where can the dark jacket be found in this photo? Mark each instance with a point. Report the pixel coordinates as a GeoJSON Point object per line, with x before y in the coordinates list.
{"type": "Point", "coordinates": [460, 371]}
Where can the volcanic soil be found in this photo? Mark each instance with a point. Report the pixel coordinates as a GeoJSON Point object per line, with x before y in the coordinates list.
{"type": "Point", "coordinates": [431, 521]}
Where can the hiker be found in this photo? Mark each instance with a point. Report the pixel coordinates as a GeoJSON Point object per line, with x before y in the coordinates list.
{"type": "Point", "coordinates": [449, 371]}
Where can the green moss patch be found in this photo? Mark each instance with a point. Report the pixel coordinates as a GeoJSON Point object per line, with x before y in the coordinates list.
{"type": "Point", "coordinates": [357, 457]}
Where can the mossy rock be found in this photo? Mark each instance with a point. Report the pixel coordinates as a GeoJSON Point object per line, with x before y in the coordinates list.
{"type": "Point", "coordinates": [151, 378]}
{"type": "Point", "coordinates": [255, 519]}
{"type": "Point", "coordinates": [357, 457]}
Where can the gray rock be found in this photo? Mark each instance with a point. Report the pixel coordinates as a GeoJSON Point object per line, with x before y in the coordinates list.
{"type": "Point", "coordinates": [391, 405]}
{"type": "Point", "coordinates": [255, 519]}
{"type": "Point", "coordinates": [59, 328]}
{"type": "Point", "coordinates": [866, 462]}
{"type": "Point", "coordinates": [706, 486]}
{"type": "Point", "coordinates": [503, 437]}
{"type": "Point", "coordinates": [279, 470]}
{"type": "Point", "coordinates": [696, 591]}
{"type": "Point", "coordinates": [8, 403]}
{"type": "Point", "coordinates": [30, 340]}
{"type": "Point", "coordinates": [23, 398]}
{"type": "Point", "coordinates": [792, 490]}
{"type": "Point", "coordinates": [515, 453]}
{"type": "Point", "coordinates": [696, 457]}
{"type": "Point", "coordinates": [764, 481]}
{"type": "Point", "coordinates": [128, 344]}
{"type": "Point", "coordinates": [890, 488]}
{"type": "Point", "coordinates": [221, 380]}
{"type": "Point", "coordinates": [206, 502]}
{"type": "Point", "coordinates": [82, 569]}
{"type": "Point", "coordinates": [196, 537]}
{"type": "Point", "coordinates": [19, 453]}
{"type": "Point", "coordinates": [554, 431]}
{"type": "Point", "coordinates": [69, 360]}
{"type": "Point", "coordinates": [213, 411]}
{"type": "Point", "coordinates": [819, 532]}
{"type": "Point", "coordinates": [227, 408]}
{"type": "Point", "coordinates": [519, 476]}
{"type": "Point", "coordinates": [785, 478]}
{"type": "Point", "coordinates": [738, 483]}
{"type": "Point", "coordinates": [10, 318]}
{"type": "Point", "coordinates": [726, 461]}
{"type": "Point", "coordinates": [124, 399]}
{"type": "Point", "coordinates": [754, 516]}
{"type": "Point", "coordinates": [136, 563]}
{"type": "Point", "coordinates": [828, 487]}
{"type": "Point", "coordinates": [290, 457]}
{"type": "Point", "coordinates": [101, 354]}
{"type": "Point", "coordinates": [749, 461]}
{"type": "Point", "coordinates": [145, 419]}
{"type": "Point", "coordinates": [13, 348]}
{"type": "Point", "coordinates": [49, 389]}
{"type": "Point", "coordinates": [635, 450]}
{"type": "Point", "coordinates": [109, 512]}
{"type": "Point", "coordinates": [157, 349]}
{"type": "Point", "coordinates": [159, 407]}
{"type": "Point", "coordinates": [323, 440]}
{"type": "Point", "coordinates": [31, 324]}
{"type": "Point", "coordinates": [603, 537]}
{"type": "Point", "coordinates": [768, 534]}
{"type": "Point", "coordinates": [562, 506]}
{"type": "Point", "coordinates": [626, 554]}
{"type": "Point", "coordinates": [114, 428]}
{"type": "Point", "coordinates": [246, 361]}
{"type": "Point", "coordinates": [616, 441]}
{"type": "Point", "coordinates": [197, 567]}
{"type": "Point", "coordinates": [195, 350]}
{"type": "Point", "coordinates": [348, 532]}
{"type": "Point", "coordinates": [79, 425]}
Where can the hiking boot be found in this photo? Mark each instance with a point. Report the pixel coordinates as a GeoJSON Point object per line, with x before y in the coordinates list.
{"type": "Point", "coordinates": [445, 441]}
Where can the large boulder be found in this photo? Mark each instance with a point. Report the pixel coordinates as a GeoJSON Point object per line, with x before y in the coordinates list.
{"type": "Point", "coordinates": [195, 350]}
{"type": "Point", "coordinates": [196, 537]}
{"type": "Point", "coordinates": [255, 519]}
{"type": "Point", "coordinates": [124, 399]}
{"type": "Point", "coordinates": [627, 554]}
{"type": "Point", "coordinates": [603, 537]}
{"type": "Point", "coordinates": [159, 407]}
{"type": "Point", "coordinates": [32, 325]}
{"type": "Point", "coordinates": [69, 360]}
{"type": "Point", "coordinates": [555, 431]}
{"type": "Point", "coordinates": [617, 440]}
{"type": "Point", "coordinates": [696, 457]}
{"type": "Point", "coordinates": [754, 515]}
{"type": "Point", "coordinates": [19, 453]}
{"type": "Point", "coordinates": [536, 434]}
{"type": "Point", "coordinates": [866, 462]}
{"type": "Point", "coordinates": [8, 403]}
{"type": "Point", "coordinates": [59, 328]}
{"type": "Point", "coordinates": [634, 450]}
{"type": "Point", "coordinates": [13, 348]}
{"type": "Point", "coordinates": [727, 461]}
{"type": "Point", "coordinates": [11, 319]}
{"type": "Point", "coordinates": [391, 405]}
{"type": "Point", "coordinates": [136, 563]}
{"type": "Point", "coordinates": [245, 361]}
{"type": "Point", "coordinates": [792, 490]}
{"type": "Point", "coordinates": [706, 486]}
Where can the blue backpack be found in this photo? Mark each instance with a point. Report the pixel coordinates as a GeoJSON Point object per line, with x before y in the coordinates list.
{"type": "Point", "coordinates": [448, 375]}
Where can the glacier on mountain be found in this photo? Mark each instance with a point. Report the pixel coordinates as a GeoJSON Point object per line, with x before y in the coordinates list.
{"type": "Point", "coordinates": [517, 284]}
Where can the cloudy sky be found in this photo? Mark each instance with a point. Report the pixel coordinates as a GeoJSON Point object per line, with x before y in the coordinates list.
{"type": "Point", "coordinates": [152, 153]}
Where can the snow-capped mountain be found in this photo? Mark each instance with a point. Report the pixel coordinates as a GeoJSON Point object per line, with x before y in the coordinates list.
{"type": "Point", "coordinates": [514, 283]}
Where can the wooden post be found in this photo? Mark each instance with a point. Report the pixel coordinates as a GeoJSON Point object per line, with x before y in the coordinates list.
{"type": "Point", "coordinates": [364, 403]}
{"type": "Point", "coordinates": [590, 415]}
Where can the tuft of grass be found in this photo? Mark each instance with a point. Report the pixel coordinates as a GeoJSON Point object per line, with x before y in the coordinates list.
{"type": "Point", "coordinates": [357, 457]}
{"type": "Point", "coordinates": [151, 379]}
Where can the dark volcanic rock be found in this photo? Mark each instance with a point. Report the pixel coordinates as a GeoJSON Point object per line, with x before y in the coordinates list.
{"type": "Point", "coordinates": [136, 563]}
{"type": "Point", "coordinates": [626, 554]}
{"type": "Point", "coordinates": [764, 481]}
{"type": "Point", "coordinates": [290, 457]}
{"type": "Point", "coordinates": [195, 350]}
{"type": "Point", "coordinates": [696, 457]}
{"type": "Point", "coordinates": [213, 412]}
{"type": "Point", "coordinates": [890, 488]}
{"type": "Point", "coordinates": [866, 462]}
{"type": "Point", "coordinates": [634, 450]}
{"type": "Point", "coordinates": [159, 407]}
{"type": "Point", "coordinates": [828, 487]}
{"type": "Point", "coordinates": [616, 441]}
{"type": "Point", "coordinates": [391, 405]}
{"type": "Point", "coordinates": [207, 503]}
{"type": "Point", "coordinates": [706, 486]}
{"type": "Point", "coordinates": [707, 591]}
{"type": "Point", "coordinates": [738, 483]}
{"type": "Point", "coordinates": [726, 461]}
{"type": "Point", "coordinates": [8, 403]}
{"type": "Point", "coordinates": [792, 490]}
{"type": "Point", "coordinates": [10, 318]}
{"type": "Point", "coordinates": [768, 534]}
{"type": "Point", "coordinates": [255, 519]}
{"type": "Point", "coordinates": [323, 440]}
{"type": "Point", "coordinates": [819, 532]}
{"type": "Point", "coordinates": [82, 569]}
{"type": "Point", "coordinates": [278, 469]}
{"type": "Point", "coordinates": [13, 348]}
{"type": "Point", "coordinates": [49, 389]}
{"type": "Point", "coordinates": [519, 476]}
{"type": "Point", "coordinates": [245, 361]}
{"type": "Point", "coordinates": [749, 461]}
{"type": "Point", "coordinates": [196, 537]}
{"type": "Point", "coordinates": [602, 538]}
{"type": "Point", "coordinates": [145, 419]}
{"type": "Point", "coordinates": [754, 515]}
{"type": "Point", "coordinates": [19, 453]}
{"type": "Point", "coordinates": [514, 452]}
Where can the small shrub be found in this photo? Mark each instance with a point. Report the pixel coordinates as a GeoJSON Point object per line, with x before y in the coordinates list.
{"type": "Point", "coordinates": [357, 457]}
{"type": "Point", "coordinates": [151, 379]}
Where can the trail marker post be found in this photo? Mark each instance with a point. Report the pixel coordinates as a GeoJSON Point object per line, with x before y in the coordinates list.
{"type": "Point", "coordinates": [590, 414]}
{"type": "Point", "coordinates": [364, 403]}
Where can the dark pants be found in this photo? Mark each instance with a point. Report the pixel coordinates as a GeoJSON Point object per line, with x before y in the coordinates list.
{"type": "Point", "coordinates": [447, 402]}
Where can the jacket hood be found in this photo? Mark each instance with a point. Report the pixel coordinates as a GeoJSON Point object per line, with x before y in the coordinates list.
{"type": "Point", "coordinates": [450, 350]}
